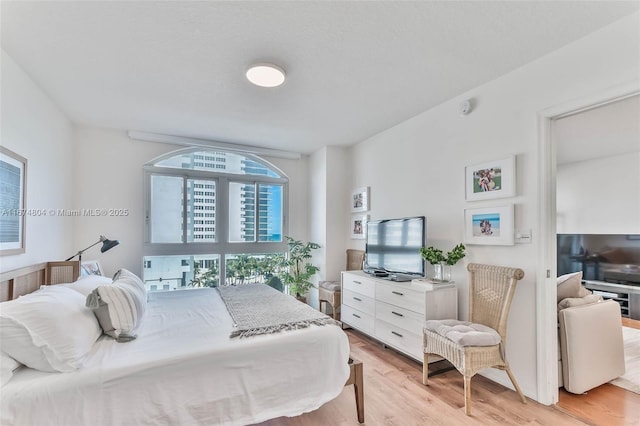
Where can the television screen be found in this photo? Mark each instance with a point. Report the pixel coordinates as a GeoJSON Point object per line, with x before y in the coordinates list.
{"type": "Point", "coordinates": [393, 245]}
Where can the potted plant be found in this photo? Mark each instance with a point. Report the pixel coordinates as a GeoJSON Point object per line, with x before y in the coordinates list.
{"type": "Point", "coordinates": [442, 263]}
{"type": "Point", "coordinates": [297, 268]}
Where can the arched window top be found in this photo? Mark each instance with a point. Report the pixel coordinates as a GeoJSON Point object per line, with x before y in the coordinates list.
{"type": "Point", "coordinates": [218, 161]}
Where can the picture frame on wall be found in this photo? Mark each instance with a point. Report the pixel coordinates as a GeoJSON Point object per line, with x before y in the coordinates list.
{"type": "Point", "coordinates": [90, 267]}
{"type": "Point", "coordinates": [359, 226]}
{"type": "Point", "coordinates": [13, 169]}
{"type": "Point", "coordinates": [493, 179]}
{"type": "Point", "coordinates": [489, 225]}
{"type": "Point", "coordinates": [360, 200]}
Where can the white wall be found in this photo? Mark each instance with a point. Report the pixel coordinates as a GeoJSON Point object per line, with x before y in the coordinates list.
{"type": "Point", "coordinates": [599, 196]}
{"type": "Point", "coordinates": [327, 224]}
{"type": "Point", "coordinates": [110, 167]}
{"type": "Point", "coordinates": [417, 167]}
{"type": "Point", "coordinates": [35, 128]}
{"type": "Point", "coordinates": [318, 214]}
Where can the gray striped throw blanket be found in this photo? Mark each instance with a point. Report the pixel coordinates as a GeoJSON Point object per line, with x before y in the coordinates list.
{"type": "Point", "coordinates": [260, 309]}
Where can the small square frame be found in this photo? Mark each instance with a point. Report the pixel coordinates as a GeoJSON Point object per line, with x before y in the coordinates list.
{"type": "Point", "coordinates": [360, 200]}
{"type": "Point", "coordinates": [493, 179]}
{"type": "Point", "coordinates": [90, 267]}
{"type": "Point", "coordinates": [489, 225]}
{"type": "Point", "coordinates": [358, 226]}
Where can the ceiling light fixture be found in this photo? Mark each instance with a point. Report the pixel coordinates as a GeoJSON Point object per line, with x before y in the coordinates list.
{"type": "Point", "coordinates": [265, 75]}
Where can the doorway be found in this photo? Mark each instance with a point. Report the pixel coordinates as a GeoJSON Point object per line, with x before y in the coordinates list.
{"type": "Point", "coordinates": [546, 289]}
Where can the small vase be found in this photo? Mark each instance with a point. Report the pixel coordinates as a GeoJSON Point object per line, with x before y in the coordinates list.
{"type": "Point", "coordinates": [441, 272]}
{"type": "Point", "coordinates": [446, 272]}
{"type": "Point", "coordinates": [437, 271]}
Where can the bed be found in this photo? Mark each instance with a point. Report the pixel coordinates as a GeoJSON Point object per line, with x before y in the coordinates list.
{"type": "Point", "coordinates": [183, 368]}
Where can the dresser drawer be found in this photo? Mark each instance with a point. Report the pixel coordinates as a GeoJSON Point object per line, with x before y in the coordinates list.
{"type": "Point", "coordinates": [410, 299]}
{"type": "Point", "coordinates": [400, 317]}
{"type": "Point", "coordinates": [358, 301]}
{"type": "Point", "coordinates": [357, 319]}
{"type": "Point", "coordinates": [400, 338]}
{"type": "Point", "coordinates": [357, 284]}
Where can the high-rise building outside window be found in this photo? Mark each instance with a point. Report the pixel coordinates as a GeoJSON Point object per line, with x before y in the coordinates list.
{"type": "Point", "coordinates": [208, 211]}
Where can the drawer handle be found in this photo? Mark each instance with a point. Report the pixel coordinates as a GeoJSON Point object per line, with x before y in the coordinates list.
{"type": "Point", "coordinates": [357, 282]}
{"type": "Point", "coordinates": [357, 298]}
{"type": "Point", "coordinates": [396, 313]}
{"type": "Point", "coordinates": [397, 334]}
{"type": "Point", "coordinates": [356, 315]}
{"type": "Point", "coordinates": [398, 293]}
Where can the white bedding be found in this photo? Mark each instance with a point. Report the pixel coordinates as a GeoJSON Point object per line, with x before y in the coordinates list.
{"type": "Point", "coordinates": [184, 369]}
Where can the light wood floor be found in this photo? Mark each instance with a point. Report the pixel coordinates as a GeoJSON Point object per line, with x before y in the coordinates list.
{"type": "Point", "coordinates": [394, 395]}
{"type": "Point", "coordinates": [605, 405]}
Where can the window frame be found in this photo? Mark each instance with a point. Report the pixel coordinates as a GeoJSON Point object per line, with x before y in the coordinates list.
{"type": "Point", "coordinates": [221, 246]}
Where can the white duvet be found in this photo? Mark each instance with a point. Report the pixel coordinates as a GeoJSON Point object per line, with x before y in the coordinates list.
{"type": "Point", "coordinates": [183, 369]}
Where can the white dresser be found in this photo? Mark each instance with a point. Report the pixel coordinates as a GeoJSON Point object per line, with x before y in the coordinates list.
{"type": "Point", "coordinates": [394, 312]}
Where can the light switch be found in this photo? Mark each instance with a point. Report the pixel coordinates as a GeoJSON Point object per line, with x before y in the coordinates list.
{"type": "Point", "coordinates": [523, 236]}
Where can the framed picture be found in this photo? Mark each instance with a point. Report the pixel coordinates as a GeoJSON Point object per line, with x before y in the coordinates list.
{"type": "Point", "coordinates": [360, 200]}
{"type": "Point", "coordinates": [489, 225]}
{"type": "Point", "coordinates": [13, 169]}
{"type": "Point", "coordinates": [90, 267]}
{"type": "Point", "coordinates": [494, 179]}
{"type": "Point", "coordinates": [359, 226]}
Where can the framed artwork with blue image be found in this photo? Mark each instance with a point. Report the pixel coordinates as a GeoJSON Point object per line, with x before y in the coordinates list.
{"type": "Point", "coordinates": [489, 225]}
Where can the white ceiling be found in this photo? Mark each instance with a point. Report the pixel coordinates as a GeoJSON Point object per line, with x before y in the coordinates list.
{"type": "Point", "coordinates": [354, 68]}
{"type": "Point", "coordinates": [605, 131]}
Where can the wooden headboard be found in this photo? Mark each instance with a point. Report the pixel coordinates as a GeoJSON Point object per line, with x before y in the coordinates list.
{"type": "Point", "coordinates": [28, 279]}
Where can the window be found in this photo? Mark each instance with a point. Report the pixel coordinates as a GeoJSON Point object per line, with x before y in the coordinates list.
{"type": "Point", "coordinates": [211, 206]}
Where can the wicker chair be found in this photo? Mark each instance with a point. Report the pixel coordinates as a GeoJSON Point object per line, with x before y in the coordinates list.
{"type": "Point", "coordinates": [491, 290]}
{"type": "Point", "coordinates": [330, 291]}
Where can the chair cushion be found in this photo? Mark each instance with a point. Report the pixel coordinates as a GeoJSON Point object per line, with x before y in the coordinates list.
{"type": "Point", "coordinates": [330, 285]}
{"type": "Point", "coordinates": [464, 333]}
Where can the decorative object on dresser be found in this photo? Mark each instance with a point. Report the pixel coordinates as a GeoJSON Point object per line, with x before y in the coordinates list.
{"type": "Point", "coordinates": [107, 244]}
{"type": "Point", "coordinates": [13, 201]}
{"type": "Point", "coordinates": [330, 291]}
{"type": "Point", "coordinates": [442, 263]}
{"type": "Point", "coordinates": [480, 343]}
{"type": "Point", "coordinates": [394, 312]}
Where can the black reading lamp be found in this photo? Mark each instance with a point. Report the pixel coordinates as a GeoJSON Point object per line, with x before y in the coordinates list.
{"type": "Point", "coordinates": [107, 244]}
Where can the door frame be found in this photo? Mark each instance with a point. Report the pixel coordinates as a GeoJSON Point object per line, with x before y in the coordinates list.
{"type": "Point", "coordinates": [546, 294]}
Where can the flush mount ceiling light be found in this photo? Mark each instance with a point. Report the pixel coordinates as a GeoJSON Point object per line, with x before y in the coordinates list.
{"type": "Point", "coordinates": [265, 75]}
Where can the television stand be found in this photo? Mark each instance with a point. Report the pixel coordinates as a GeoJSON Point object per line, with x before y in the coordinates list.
{"type": "Point", "coordinates": [394, 312]}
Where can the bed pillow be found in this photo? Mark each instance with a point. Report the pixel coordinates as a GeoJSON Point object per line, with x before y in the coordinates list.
{"type": "Point", "coordinates": [569, 285]}
{"type": "Point", "coordinates": [48, 330]}
{"type": "Point", "coordinates": [120, 306]}
{"type": "Point", "coordinates": [88, 283]}
{"type": "Point", "coordinates": [7, 366]}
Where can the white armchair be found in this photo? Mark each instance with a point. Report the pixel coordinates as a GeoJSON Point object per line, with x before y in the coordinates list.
{"type": "Point", "coordinates": [591, 347]}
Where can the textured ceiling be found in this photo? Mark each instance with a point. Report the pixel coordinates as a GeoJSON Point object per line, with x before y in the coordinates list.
{"type": "Point", "coordinates": [354, 68]}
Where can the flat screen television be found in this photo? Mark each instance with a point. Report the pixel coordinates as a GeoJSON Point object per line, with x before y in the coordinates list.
{"type": "Point", "coordinates": [393, 246]}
